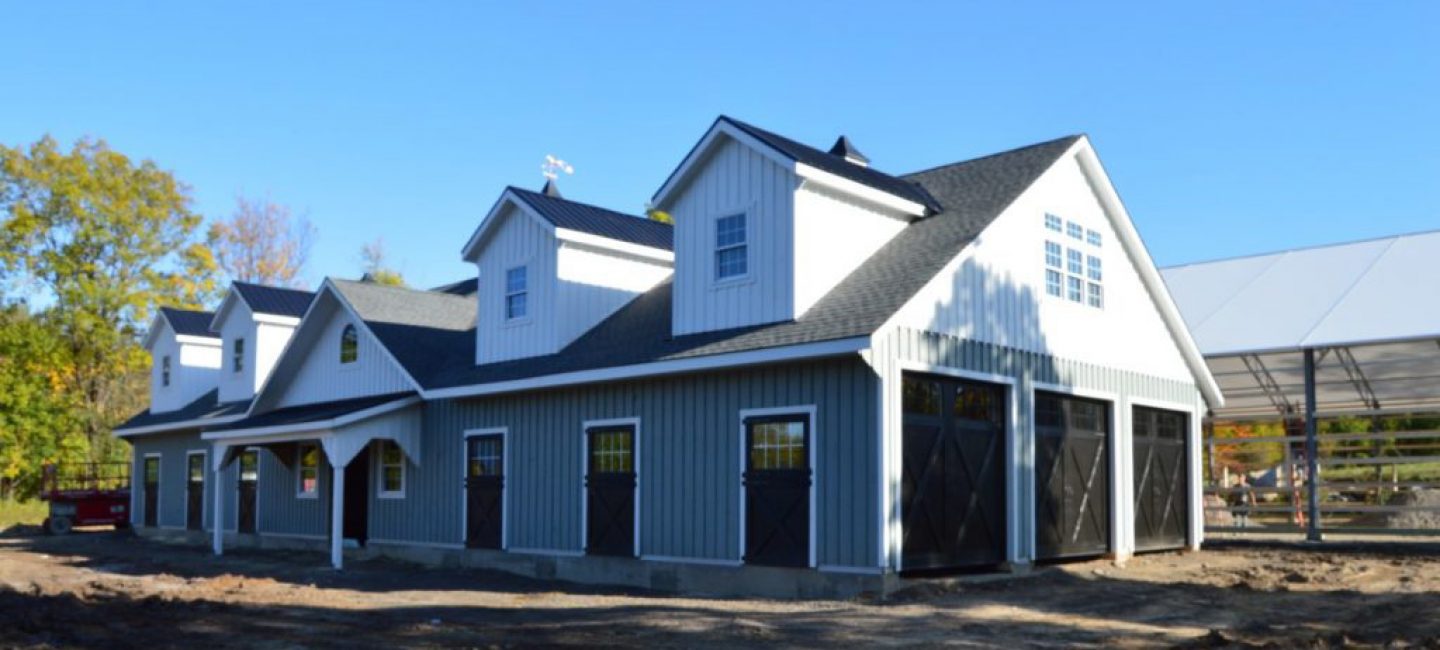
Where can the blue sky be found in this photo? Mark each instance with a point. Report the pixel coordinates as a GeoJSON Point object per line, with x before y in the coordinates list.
{"type": "Point", "coordinates": [1228, 127]}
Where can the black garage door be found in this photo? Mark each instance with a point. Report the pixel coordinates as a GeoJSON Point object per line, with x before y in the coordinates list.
{"type": "Point", "coordinates": [1072, 476]}
{"type": "Point", "coordinates": [953, 480]}
{"type": "Point", "coordinates": [1161, 478]}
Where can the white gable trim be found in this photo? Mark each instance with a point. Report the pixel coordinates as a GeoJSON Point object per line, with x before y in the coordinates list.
{"type": "Point", "coordinates": [226, 305]}
{"type": "Point", "coordinates": [1119, 219]}
{"type": "Point", "coordinates": [269, 391]}
{"type": "Point", "coordinates": [701, 153]}
{"type": "Point", "coordinates": [491, 221]}
{"type": "Point", "coordinates": [155, 329]}
{"type": "Point", "coordinates": [858, 190]}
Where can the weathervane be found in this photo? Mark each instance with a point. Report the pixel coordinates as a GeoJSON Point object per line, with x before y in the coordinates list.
{"type": "Point", "coordinates": [552, 167]}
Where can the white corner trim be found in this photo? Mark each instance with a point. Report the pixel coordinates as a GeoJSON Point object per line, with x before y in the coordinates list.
{"type": "Point", "coordinates": [813, 422]}
{"type": "Point", "coordinates": [858, 190]}
{"type": "Point", "coordinates": [672, 366]}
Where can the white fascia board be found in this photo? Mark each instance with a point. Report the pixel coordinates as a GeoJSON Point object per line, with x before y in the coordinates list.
{"type": "Point", "coordinates": [607, 244]}
{"type": "Point", "coordinates": [701, 152]}
{"type": "Point", "coordinates": [275, 319]}
{"type": "Point", "coordinates": [1149, 275]}
{"type": "Point", "coordinates": [859, 190]}
{"type": "Point", "coordinates": [175, 426]}
{"type": "Point", "coordinates": [302, 427]}
{"type": "Point", "coordinates": [208, 341]}
{"type": "Point", "coordinates": [836, 347]}
{"type": "Point", "coordinates": [231, 297]}
{"type": "Point", "coordinates": [508, 197]}
{"type": "Point", "coordinates": [154, 331]}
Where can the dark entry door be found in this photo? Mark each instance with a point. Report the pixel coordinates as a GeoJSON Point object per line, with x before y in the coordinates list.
{"type": "Point", "coordinates": [777, 490]}
{"type": "Point", "coordinates": [249, 480]}
{"type": "Point", "coordinates": [152, 491]}
{"type": "Point", "coordinates": [485, 491]}
{"type": "Point", "coordinates": [1161, 478]}
{"type": "Point", "coordinates": [195, 492]}
{"type": "Point", "coordinates": [357, 498]}
{"type": "Point", "coordinates": [610, 491]}
{"type": "Point", "coordinates": [953, 480]}
{"type": "Point", "coordinates": [1072, 476]}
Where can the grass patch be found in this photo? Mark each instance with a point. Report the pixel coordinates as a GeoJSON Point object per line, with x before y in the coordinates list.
{"type": "Point", "coordinates": [1406, 472]}
{"type": "Point", "coordinates": [15, 513]}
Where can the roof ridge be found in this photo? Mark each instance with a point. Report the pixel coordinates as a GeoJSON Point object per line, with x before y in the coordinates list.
{"type": "Point", "coordinates": [398, 288]}
{"type": "Point", "coordinates": [1072, 137]}
{"type": "Point", "coordinates": [587, 205]}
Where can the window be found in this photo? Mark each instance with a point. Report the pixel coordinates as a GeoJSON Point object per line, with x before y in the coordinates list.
{"type": "Point", "coordinates": [516, 293]}
{"type": "Point", "coordinates": [1092, 237]}
{"type": "Point", "coordinates": [612, 450]}
{"type": "Point", "coordinates": [237, 356]}
{"type": "Point", "coordinates": [1096, 298]}
{"type": "Point", "coordinates": [1052, 255]}
{"type": "Point", "coordinates": [1076, 259]}
{"type": "Point", "coordinates": [1052, 222]}
{"type": "Point", "coordinates": [731, 259]}
{"type": "Point", "coordinates": [1074, 230]}
{"type": "Point", "coordinates": [1092, 268]}
{"type": "Point", "coordinates": [196, 468]}
{"type": "Point", "coordinates": [486, 456]}
{"type": "Point", "coordinates": [250, 465]}
{"type": "Point", "coordinates": [152, 469]}
{"type": "Point", "coordinates": [309, 485]}
{"type": "Point", "coordinates": [392, 470]}
{"type": "Point", "coordinates": [1073, 283]}
{"type": "Point", "coordinates": [349, 344]}
{"type": "Point", "coordinates": [165, 370]}
{"type": "Point", "coordinates": [779, 443]}
{"type": "Point", "coordinates": [1052, 282]}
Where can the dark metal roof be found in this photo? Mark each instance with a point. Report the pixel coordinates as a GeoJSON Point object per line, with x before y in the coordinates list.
{"type": "Point", "coordinates": [844, 148]}
{"type": "Point", "coordinates": [466, 287]}
{"type": "Point", "coordinates": [190, 322]}
{"type": "Point", "coordinates": [206, 407]}
{"type": "Point", "coordinates": [274, 300]}
{"type": "Point", "coordinates": [563, 213]}
{"type": "Point", "coordinates": [311, 412]}
{"type": "Point", "coordinates": [837, 165]}
{"type": "Point", "coordinates": [972, 194]}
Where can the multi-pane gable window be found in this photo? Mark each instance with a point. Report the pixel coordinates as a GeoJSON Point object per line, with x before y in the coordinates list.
{"type": "Point", "coordinates": [516, 293]}
{"type": "Point", "coordinates": [165, 370]}
{"type": "Point", "coordinates": [237, 361]}
{"type": "Point", "coordinates": [309, 485]}
{"type": "Point", "coordinates": [392, 469]}
{"type": "Point", "coordinates": [1075, 274]}
{"type": "Point", "coordinates": [731, 260]}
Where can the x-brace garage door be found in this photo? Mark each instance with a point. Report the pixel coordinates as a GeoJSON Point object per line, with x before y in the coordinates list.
{"type": "Point", "coordinates": [1161, 478]}
{"type": "Point", "coordinates": [1072, 476]}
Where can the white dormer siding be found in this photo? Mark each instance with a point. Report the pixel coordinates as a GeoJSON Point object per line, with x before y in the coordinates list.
{"type": "Point", "coordinates": [517, 241]}
{"type": "Point", "coordinates": [593, 282]}
{"type": "Point", "coordinates": [834, 234]}
{"type": "Point", "coordinates": [995, 291]}
{"type": "Point", "coordinates": [265, 336]}
{"type": "Point", "coordinates": [194, 367]}
{"type": "Point", "coordinates": [322, 376]}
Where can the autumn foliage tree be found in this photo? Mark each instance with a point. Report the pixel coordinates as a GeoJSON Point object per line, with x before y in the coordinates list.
{"type": "Point", "coordinates": [376, 265]}
{"type": "Point", "coordinates": [263, 243]}
{"type": "Point", "coordinates": [96, 241]}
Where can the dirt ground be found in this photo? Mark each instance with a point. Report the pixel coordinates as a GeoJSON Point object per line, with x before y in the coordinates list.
{"type": "Point", "coordinates": [117, 591]}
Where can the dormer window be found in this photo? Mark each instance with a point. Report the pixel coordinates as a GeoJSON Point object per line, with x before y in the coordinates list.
{"type": "Point", "coordinates": [731, 250]}
{"type": "Point", "coordinates": [165, 370]}
{"type": "Point", "coordinates": [237, 356]}
{"type": "Point", "coordinates": [349, 344]}
{"type": "Point", "coordinates": [516, 293]}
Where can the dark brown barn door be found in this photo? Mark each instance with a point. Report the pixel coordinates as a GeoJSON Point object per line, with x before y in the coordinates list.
{"type": "Point", "coordinates": [249, 479]}
{"type": "Point", "coordinates": [1072, 476]}
{"type": "Point", "coordinates": [1161, 478]}
{"type": "Point", "coordinates": [356, 525]}
{"type": "Point", "coordinates": [610, 491]}
{"type": "Point", "coordinates": [152, 491]}
{"type": "Point", "coordinates": [777, 490]}
{"type": "Point", "coordinates": [953, 479]}
{"type": "Point", "coordinates": [195, 492]}
{"type": "Point", "coordinates": [484, 491]}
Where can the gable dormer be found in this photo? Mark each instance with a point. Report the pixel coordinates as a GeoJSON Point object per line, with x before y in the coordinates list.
{"type": "Point", "coordinates": [765, 226]}
{"type": "Point", "coordinates": [254, 323]}
{"type": "Point", "coordinates": [185, 358]}
{"type": "Point", "coordinates": [550, 269]}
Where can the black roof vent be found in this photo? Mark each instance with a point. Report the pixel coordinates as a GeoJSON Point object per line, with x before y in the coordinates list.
{"type": "Point", "coordinates": [367, 278]}
{"type": "Point", "coordinates": [551, 189]}
{"type": "Point", "coordinates": [845, 149]}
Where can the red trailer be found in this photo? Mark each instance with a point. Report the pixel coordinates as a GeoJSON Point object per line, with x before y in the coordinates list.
{"type": "Point", "coordinates": [86, 494]}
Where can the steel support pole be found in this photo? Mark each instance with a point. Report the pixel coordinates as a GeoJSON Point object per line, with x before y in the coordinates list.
{"type": "Point", "coordinates": [337, 517]}
{"type": "Point", "coordinates": [1312, 451]}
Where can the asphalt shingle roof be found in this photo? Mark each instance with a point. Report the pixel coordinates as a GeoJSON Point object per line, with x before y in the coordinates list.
{"type": "Point", "coordinates": [274, 300]}
{"type": "Point", "coordinates": [206, 407]}
{"type": "Point", "coordinates": [564, 213]}
{"type": "Point", "coordinates": [467, 287]}
{"type": "Point", "coordinates": [189, 322]}
{"type": "Point", "coordinates": [422, 329]}
{"type": "Point", "coordinates": [311, 412]}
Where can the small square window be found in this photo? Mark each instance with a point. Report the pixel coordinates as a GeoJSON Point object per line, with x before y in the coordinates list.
{"type": "Point", "coordinates": [392, 469]}
{"type": "Point", "coordinates": [1052, 255]}
{"type": "Point", "coordinates": [1092, 237]}
{"type": "Point", "coordinates": [1052, 222]}
{"type": "Point", "coordinates": [165, 370]}
{"type": "Point", "coordinates": [1092, 268]}
{"type": "Point", "coordinates": [309, 483]}
{"type": "Point", "coordinates": [1096, 295]}
{"type": "Point", "coordinates": [1073, 284]}
{"type": "Point", "coordinates": [1074, 230]}
{"type": "Point", "coordinates": [1076, 261]}
{"type": "Point", "coordinates": [731, 247]}
{"type": "Point", "coordinates": [1052, 282]}
{"type": "Point", "coordinates": [516, 293]}
{"type": "Point", "coordinates": [237, 361]}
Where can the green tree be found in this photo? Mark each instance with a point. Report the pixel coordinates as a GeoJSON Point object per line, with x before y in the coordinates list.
{"type": "Point", "coordinates": [40, 421]}
{"type": "Point", "coordinates": [376, 265]}
{"type": "Point", "coordinates": [101, 240]}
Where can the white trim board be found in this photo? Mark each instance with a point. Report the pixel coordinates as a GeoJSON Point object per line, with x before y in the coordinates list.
{"type": "Point", "coordinates": [810, 412]}
{"type": "Point", "coordinates": [585, 427]}
{"type": "Point", "coordinates": [504, 433]}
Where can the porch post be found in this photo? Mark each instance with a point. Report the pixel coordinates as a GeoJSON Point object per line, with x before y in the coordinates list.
{"type": "Point", "coordinates": [1312, 452]}
{"type": "Point", "coordinates": [337, 515]}
{"type": "Point", "coordinates": [217, 519]}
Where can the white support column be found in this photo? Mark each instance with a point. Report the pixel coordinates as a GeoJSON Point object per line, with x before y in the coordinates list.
{"type": "Point", "coordinates": [337, 516]}
{"type": "Point", "coordinates": [217, 518]}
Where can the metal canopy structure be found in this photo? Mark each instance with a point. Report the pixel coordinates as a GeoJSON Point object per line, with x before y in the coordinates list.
{"type": "Point", "coordinates": [1369, 311]}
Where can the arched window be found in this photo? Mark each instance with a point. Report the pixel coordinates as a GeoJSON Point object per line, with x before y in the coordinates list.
{"type": "Point", "coordinates": [349, 345]}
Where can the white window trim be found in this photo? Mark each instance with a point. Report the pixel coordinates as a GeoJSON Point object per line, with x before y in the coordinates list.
{"type": "Point", "coordinates": [585, 428]}
{"type": "Point", "coordinates": [809, 411]}
{"type": "Point", "coordinates": [506, 293]}
{"type": "Point", "coordinates": [204, 484]}
{"type": "Point", "coordinates": [159, 484]}
{"type": "Point", "coordinates": [504, 433]}
{"type": "Point", "coordinates": [300, 492]}
{"type": "Point", "coordinates": [715, 248]}
{"type": "Point", "coordinates": [379, 463]}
